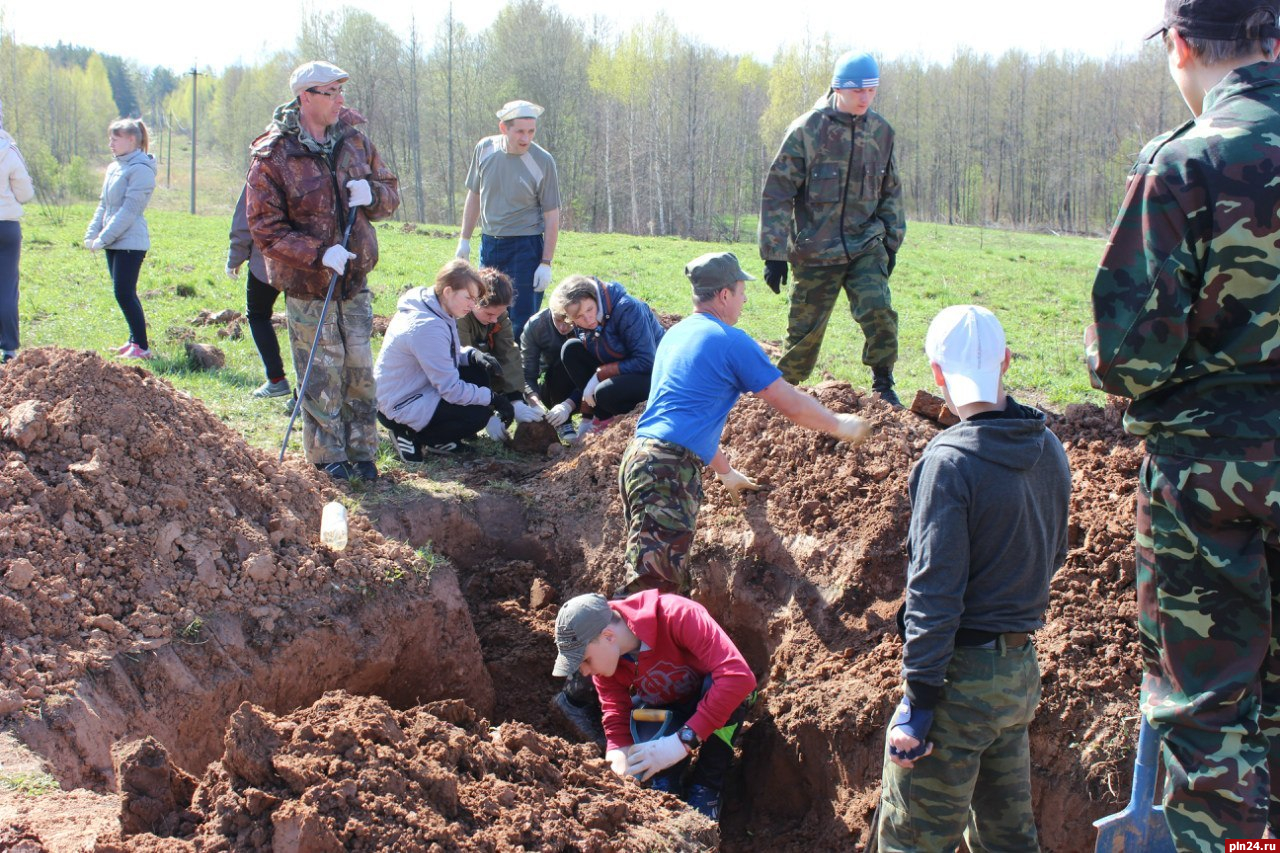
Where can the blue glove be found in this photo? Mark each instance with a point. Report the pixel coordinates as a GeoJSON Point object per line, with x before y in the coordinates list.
{"type": "Point", "coordinates": [914, 722]}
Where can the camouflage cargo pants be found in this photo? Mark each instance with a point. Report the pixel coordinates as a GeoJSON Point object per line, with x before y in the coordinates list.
{"type": "Point", "coordinates": [977, 781]}
{"type": "Point", "coordinates": [339, 404]}
{"type": "Point", "coordinates": [814, 290]}
{"type": "Point", "coordinates": [661, 486]}
{"type": "Point", "coordinates": [1208, 574]}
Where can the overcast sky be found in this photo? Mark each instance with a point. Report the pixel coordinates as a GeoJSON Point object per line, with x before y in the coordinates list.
{"type": "Point", "coordinates": [218, 33]}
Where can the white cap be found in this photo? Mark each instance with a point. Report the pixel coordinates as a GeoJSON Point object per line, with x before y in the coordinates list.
{"type": "Point", "coordinates": [317, 73]}
{"type": "Point", "coordinates": [513, 110]}
{"type": "Point", "coordinates": [967, 343]}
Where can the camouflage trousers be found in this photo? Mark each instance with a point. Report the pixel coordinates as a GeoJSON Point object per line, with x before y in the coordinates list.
{"type": "Point", "coordinates": [661, 485]}
{"type": "Point", "coordinates": [977, 782]}
{"type": "Point", "coordinates": [1208, 577]}
{"type": "Point", "coordinates": [339, 404]}
{"type": "Point", "coordinates": [814, 290]}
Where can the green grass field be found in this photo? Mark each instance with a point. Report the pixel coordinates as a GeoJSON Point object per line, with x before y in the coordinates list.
{"type": "Point", "coordinates": [1037, 284]}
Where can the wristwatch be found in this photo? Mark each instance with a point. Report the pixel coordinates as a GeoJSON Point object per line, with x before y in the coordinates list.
{"type": "Point", "coordinates": [689, 738]}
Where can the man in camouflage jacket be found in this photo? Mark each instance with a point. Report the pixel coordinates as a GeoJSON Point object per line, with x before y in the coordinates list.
{"type": "Point", "coordinates": [1187, 325]}
{"type": "Point", "coordinates": [832, 207]}
{"type": "Point", "coordinates": [312, 170]}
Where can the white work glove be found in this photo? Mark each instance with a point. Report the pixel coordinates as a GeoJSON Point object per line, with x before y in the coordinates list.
{"type": "Point", "coordinates": [617, 759]}
{"type": "Point", "coordinates": [589, 393]}
{"type": "Point", "coordinates": [233, 273]}
{"type": "Point", "coordinates": [464, 249]}
{"type": "Point", "coordinates": [646, 759]}
{"type": "Point", "coordinates": [737, 483]}
{"type": "Point", "coordinates": [559, 414]}
{"type": "Point", "coordinates": [525, 413]}
{"type": "Point", "coordinates": [852, 429]}
{"type": "Point", "coordinates": [336, 257]}
{"type": "Point", "coordinates": [358, 193]}
{"type": "Point", "coordinates": [541, 278]}
{"type": "Point", "coordinates": [496, 429]}
{"type": "Point", "coordinates": [93, 245]}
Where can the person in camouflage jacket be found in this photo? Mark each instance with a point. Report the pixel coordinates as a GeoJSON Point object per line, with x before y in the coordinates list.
{"type": "Point", "coordinates": [1186, 308]}
{"type": "Point", "coordinates": [832, 207]}
{"type": "Point", "coordinates": [312, 170]}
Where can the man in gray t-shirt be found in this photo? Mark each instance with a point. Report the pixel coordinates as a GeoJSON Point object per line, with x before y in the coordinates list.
{"type": "Point", "coordinates": [513, 192]}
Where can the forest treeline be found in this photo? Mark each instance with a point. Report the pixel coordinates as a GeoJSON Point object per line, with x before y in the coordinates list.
{"type": "Point", "coordinates": [653, 131]}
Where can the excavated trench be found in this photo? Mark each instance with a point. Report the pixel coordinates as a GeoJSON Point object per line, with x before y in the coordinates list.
{"type": "Point", "coordinates": [806, 577]}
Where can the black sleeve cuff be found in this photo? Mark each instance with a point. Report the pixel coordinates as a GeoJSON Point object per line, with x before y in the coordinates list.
{"type": "Point", "coordinates": [923, 696]}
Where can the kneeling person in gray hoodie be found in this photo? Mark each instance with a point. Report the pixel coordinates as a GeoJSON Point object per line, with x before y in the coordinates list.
{"type": "Point", "coordinates": [989, 503]}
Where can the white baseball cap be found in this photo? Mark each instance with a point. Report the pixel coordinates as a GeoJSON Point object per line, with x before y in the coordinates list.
{"type": "Point", "coordinates": [316, 73]}
{"type": "Point", "coordinates": [967, 343]}
{"type": "Point", "coordinates": [513, 110]}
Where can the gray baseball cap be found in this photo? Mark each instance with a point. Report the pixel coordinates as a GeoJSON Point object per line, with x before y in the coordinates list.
{"type": "Point", "coordinates": [716, 270]}
{"type": "Point", "coordinates": [579, 622]}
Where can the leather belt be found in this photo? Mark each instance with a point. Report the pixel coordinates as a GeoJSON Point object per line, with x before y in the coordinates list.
{"type": "Point", "coordinates": [1012, 640]}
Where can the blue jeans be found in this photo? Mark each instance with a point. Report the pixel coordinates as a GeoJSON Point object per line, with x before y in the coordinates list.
{"type": "Point", "coordinates": [10, 250]}
{"type": "Point", "coordinates": [519, 258]}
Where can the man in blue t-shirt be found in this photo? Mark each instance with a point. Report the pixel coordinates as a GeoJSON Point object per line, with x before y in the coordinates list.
{"type": "Point", "coordinates": [703, 365]}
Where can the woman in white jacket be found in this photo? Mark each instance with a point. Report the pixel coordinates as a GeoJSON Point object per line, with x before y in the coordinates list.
{"type": "Point", "coordinates": [433, 392]}
{"type": "Point", "coordinates": [119, 228]}
{"type": "Point", "coordinates": [15, 191]}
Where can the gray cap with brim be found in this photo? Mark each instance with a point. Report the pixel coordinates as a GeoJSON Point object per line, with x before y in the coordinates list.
{"type": "Point", "coordinates": [316, 73]}
{"type": "Point", "coordinates": [716, 270]}
{"type": "Point", "coordinates": [579, 622]}
{"type": "Point", "coordinates": [513, 110]}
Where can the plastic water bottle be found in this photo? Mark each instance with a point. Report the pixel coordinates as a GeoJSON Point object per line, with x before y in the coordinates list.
{"type": "Point", "coordinates": [333, 526]}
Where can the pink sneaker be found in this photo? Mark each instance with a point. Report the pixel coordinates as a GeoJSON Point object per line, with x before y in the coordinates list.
{"type": "Point", "coordinates": [593, 427]}
{"type": "Point", "coordinates": [120, 350]}
{"type": "Point", "coordinates": [135, 351]}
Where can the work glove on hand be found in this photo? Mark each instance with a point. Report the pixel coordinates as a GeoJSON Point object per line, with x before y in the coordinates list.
{"type": "Point", "coordinates": [907, 732]}
{"type": "Point", "coordinates": [233, 273]}
{"type": "Point", "coordinates": [617, 759]}
{"type": "Point", "coordinates": [737, 483]}
{"type": "Point", "coordinates": [489, 362]}
{"type": "Point", "coordinates": [559, 414]}
{"type": "Point", "coordinates": [359, 193]}
{"type": "Point", "coordinates": [775, 275]}
{"type": "Point", "coordinates": [502, 408]}
{"type": "Point", "coordinates": [541, 277]}
{"type": "Point", "coordinates": [646, 759]}
{"type": "Point", "coordinates": [893, 259]}
{"type": "Point", "coordinates": [94, 244]}
{"type": "Point", "coordinates": [525, 413]}
{"type": "Point", "coordinates": [496, 430]}
{"type": "Point", "coordinates": [589, 393]}
{"type": "Point", "coordinates": [464, 249]}
{"type": "Point", "coordinates": [336, 257]}
{"type": "Point", "coordinates": [852, 429]}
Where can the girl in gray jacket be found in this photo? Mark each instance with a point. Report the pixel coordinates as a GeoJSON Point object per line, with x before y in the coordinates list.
{"type": "Point", "coordinates": [15, 191]}
{"type": "Point", "coordinates": [119, 228]}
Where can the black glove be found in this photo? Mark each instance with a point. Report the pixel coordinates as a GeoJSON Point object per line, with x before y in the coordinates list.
{"type": "Point", "coordinates": [775, 275]}
{"type": "Point", "coordinates": [502, 407]}
{"type": "Point", "coordinates": [488, 362]}
{"type": "Point", "coordinates": [893, 259]}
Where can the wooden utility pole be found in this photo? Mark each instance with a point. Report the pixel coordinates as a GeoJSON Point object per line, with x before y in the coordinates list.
{"type": "Point", "coordinates": [195, 78]}
{"type": "Point", "coordinates": [168, 158]}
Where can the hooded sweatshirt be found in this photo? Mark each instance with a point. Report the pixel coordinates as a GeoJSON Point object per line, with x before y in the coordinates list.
{"type": "Point", "coordinates": [15, 182]}
{"type": "Point", "coordinates": [417, 366]}
{"type": "Point", "coordinates": [127, 188]}
{"type": "Point", "coordinates": [681, 646]}
{"type": "Point", "coordinates": [989, 502]}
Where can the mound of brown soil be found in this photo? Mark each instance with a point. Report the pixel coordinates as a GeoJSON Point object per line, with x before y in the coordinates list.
{"type": "Point", "coordinates": [350, 773]}
{"type": "Point", "coordinates": [129, 514]}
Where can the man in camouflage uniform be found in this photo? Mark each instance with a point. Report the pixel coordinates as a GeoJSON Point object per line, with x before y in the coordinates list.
{"type": "Point", "coordinates": [832, 206]}
{"type": "Point", "coordinates": [989, 503]}
{"type": "Point", "coordinates": [312, 170]}
{"type": "Point", "coordinates": [1185, 310]}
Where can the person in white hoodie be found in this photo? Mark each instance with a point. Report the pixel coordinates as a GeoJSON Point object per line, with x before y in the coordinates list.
{"type": "Point", "coordinates": [118, 226]}
{"type": "Point", "coordinates": [15, 191]}
{"type": "Point", "coordinates": [433, 393]}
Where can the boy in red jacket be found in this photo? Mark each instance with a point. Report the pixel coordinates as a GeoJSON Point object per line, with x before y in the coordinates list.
{"type": "Point", "coordinates": [656, 650]}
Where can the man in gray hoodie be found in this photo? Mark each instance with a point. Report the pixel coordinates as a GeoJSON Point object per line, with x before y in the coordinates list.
{"type": "Point", "coordinates": [989, 502]}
